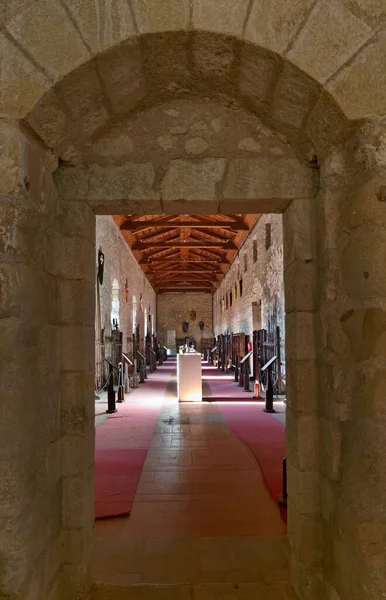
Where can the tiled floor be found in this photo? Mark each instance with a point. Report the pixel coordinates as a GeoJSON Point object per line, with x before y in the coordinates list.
{"type": "Point", "coordinates": [202, 517]}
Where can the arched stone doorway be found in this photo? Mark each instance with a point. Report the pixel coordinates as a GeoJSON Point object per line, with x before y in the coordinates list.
{"type": "Point", "coordinates": [330, 186]}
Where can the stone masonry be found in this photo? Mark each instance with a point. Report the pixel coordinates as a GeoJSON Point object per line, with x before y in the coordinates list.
{"type": "Point", "coordinates": [260, 270]}
{"type": "Point", "coordinates": [174, 308]}
{"type": "Point", "coordinates": [121, 266]}
{"type": "Point", "coordinates": [79, 85]}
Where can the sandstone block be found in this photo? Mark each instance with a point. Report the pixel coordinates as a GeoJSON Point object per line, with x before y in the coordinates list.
{"type": "Point", "coordinates": [82, 95]}
{"type": "Point", "coordinates": [329, 38]}
{"type": "Point", "coordinates": [49, 120]}
{"type": "Point", "coordinates": [300, 281]}
{"type": "Point", "coordinates": [21, 84]}
{"type": "Point", "coordinates": [327, 498]}
{"type": "Point", "coordinates": [76, 298]}
{"type": "Point", "coordinates": [273, 26]}
{"type": "Point", "coordinates": [360, 88]}
{"type": "Point", "coordinates": [161, 50]}
{"type": "Point", "coordinates": [77, 347]}
{"type": "Point", "coordinates": [369, 393]}
{"type": "Point", "coordinates": [302, 384]}
{"type": "Point", "coordinates": [259, 70]}
{"type": "Point", "coordinates": [152, 16]}
{"type": "Point", "coordinates": [77, 454]}
{"type": "Point", "coordinates": [300, 329]}
{"type": "Point", "coordinates": [79, 221]}
{"type": "Point", "coordinates": [302, 440]}
{"type": "Point", "coordinates": [303, 489]}
{"type": "Point", "coordinates": [372, 8]}
{"type": "Point", "coordinates": [327, 125]}
{"type": "Point", "coordinates": [130, 182]}
{"type": "Point", "coordinates": [306, 535]}
{"type": "Point", "coordinates": [78, 407]}
{"type": "Point", "coordinates": [73, 258]}
{"type": "Point", "coordinates": [194, 182]}
{"type": "Point", "coordinates": [10, 292]}
{"type": "Point", "coordinates": [213, 56]}
{"type": "Point", "coordinates": [103, 24]}
{"type": "Point", "coordinates": [256, 178]}
{"type": "Point", "coordinates": [44, 30]}
{"type": "Point", "coordinates": [225, 16]}
{"type": "Point", "coordinates": [71, 183]}
{"type": "Point", "coordinates": [362, 261]}
{"type": "Point", "coordinates": [294, 97]}
{"type": "Point", "coordinates": [331, 442]}
{"type": "Point", "coordinates": [122, 75]}
{"type": "Point", "coordinates": [299, 231]}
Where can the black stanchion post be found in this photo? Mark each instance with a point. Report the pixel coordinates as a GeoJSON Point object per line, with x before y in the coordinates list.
{"type": "Point", "coordinates": [246, 379]}
{"type": "Point", "coordinates": [283, 497]}
{"type": "Point", "coordinates": [236, 371]}
{"type": "Point", "coordinates": [241, 375]}
{"type": "Point", "coordinates": [141, 374]}
{"type": "Point", "coordinates": [111, 407]}
{"type": "Point", "coordinates": [121, 387]}
{"type": "Point", "coordinates": [269, 393]}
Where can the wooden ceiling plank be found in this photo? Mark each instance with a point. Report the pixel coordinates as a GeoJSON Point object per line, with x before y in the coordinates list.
{"type": "Point", "coordinates": [229, 245]}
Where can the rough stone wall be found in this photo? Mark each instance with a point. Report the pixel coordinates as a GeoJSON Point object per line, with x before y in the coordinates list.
{"type": "Point", "coordinates": [188, 157]}
{"type": "Point", "coordinates": [174, 308]}
{"type": "Point", "coordinates": [46, 302]}
{"type": "Point", "coordinates": [352, 371]}
{"type": "Point", "coordinates": [262, 282]}
{"type": "Point", "coordinates": [120, 265]}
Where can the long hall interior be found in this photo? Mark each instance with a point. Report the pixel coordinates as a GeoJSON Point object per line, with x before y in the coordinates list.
{"type": "Point", "coordinates": [190, 404]}
{"type": "Point", "coordinates": [192, 299]}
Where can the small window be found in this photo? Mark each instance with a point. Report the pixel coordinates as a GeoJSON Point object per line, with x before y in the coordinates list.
{"type": "Point", "coordinates": [268, 236]}
{"type": "Point", "coordinates": [241, 287]}
{"type": "Point", "coordinates": [230, 298]}
{"type": "Point", "coordinates": [245, 263]}
{"type": "Point", "coordinates": [254, 251]}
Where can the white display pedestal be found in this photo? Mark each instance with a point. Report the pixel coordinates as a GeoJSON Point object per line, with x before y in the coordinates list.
{"type": "Point", "coordinates": [189, 379]}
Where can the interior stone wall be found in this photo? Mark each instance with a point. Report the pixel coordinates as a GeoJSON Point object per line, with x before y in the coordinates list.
{"type": "Point", "coordinates": [352, 365]}
{"type": "Point", "coordinates": [262, 282]}
{"type": "Point", "coordinates": [120, 264]}
{"type": "Point", "coordinates": [46, 362]}
{"type": "Point", "coordinates": [174, 308]}
{"type": "Point", "coordinates": [314, 70]}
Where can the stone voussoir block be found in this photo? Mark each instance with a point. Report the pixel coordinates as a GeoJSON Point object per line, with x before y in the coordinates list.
{"type": "Point", "coordinates": [44, 30]}
{"type": "Point", "coordinates": [102, 24]}
{"type": "Point", "coordinates": [331, 35]}
{"type": "Point", "coordinates": [273, 26]}
{"type": "Point", "coordinates": [224, 16]}
{"type": "Point", "coordinates": [21, 83]}
{"type": "Point", "coordinates": [153, 16]}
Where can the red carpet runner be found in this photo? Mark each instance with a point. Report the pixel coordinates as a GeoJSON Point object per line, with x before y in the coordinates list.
{"type": "Point", "coordinates": [261, 432]}
{"type": "Point", "coordinates": [121, 445]}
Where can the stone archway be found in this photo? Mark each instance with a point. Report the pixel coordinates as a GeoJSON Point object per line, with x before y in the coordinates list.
{"type": "Point", "coordinates": [334, 250]}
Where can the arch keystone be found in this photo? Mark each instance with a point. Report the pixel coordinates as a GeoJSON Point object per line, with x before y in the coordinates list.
{"type": "Point", "coordinates": [223, 16]}
{"type": "Point", "coordinates": [154, 16]}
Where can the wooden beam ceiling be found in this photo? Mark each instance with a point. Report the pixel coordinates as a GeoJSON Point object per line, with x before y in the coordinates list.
{"type": "Point", "coordinates": [185, 252]}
